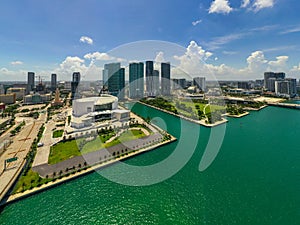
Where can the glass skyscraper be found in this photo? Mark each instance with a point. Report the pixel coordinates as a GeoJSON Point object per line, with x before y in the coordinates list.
{"type": "Point", "coordinates": [136, 80]}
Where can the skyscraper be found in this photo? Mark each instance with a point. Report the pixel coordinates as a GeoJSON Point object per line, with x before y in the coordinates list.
{"type": "Point", "coordinates": [165, 79]}
{"type": "Point", "coordinates": [53, 82]}
{"type": "Point", "coordinates": [155, 84]}
{"type": "Point", "coordinates": [74, 84]}
{"type": "Point", "coordinates": [30, 81]}
{"type": "Point", "coordinates": [136, 80]}
{"type": "Point", "coordinates": [292, 86]}
{"type": "Point", "coordinates": [149, 78]}
{"type": "Point", "coordinates": [270, 84]}
{"type": "Point", "coordinates": [200, 83]}
{"type": "Point", "coordinates": [115, 76]}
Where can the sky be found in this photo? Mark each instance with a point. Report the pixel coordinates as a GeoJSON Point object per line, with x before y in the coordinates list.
{"type": "Point", "coordinates": [232, 39]}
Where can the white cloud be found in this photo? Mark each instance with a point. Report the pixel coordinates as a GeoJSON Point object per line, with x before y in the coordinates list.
{"type": "Point", "coordinates": [256, 61]}
{"type": "Point", "coordinates": [220, 6]}
{"type": "Point", "coordinates": [296, 68]}
{"type": "Point", "coordinates": [195, 23]}
{"type": "Point", "coordinates": [15, 63]}
{"type": "Point", "coordinates": [245, 3]}
{"type": "Point", "coordinates": [282, 48]}
{"type": "Point", "coordinates": [159, 58]}
{"type": "Point", "coordinates": [98, 56]}
{"type": "Point", "coordinates": [217, 42]}
{"type": "Point", "coordinates": [279, 64]}
{"type": "Point", "coordinates": [229, 52]}
{"type": "Point", "coordinates": [292, 30]}
{"type": "Point", "coordinates": [71, 65]}
{"type": "Point", "coordinates": [193, 63]}
{"type": "Point", "coordinates": [261, 4]}
{"type": "Point", "coordinates": [87, 40]}
{"type": "Point", "coordinates": [12, 75]}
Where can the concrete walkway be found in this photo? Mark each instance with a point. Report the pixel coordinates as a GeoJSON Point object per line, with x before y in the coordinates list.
{"type": "Point", "coordinates": [93, 158]}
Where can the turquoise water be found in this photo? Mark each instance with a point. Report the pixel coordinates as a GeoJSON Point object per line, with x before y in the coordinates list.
{"type": "Point", "coordinates": [253, 180]}
{"type": "Point", "coordinates": [294, 102]}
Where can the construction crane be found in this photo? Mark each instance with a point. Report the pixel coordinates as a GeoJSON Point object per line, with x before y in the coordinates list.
{"type": "Point", "coordinates": [40, 78]}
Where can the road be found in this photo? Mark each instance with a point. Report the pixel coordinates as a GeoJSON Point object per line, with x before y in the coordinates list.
{"type": "Point", "coordinates": [19, 148]}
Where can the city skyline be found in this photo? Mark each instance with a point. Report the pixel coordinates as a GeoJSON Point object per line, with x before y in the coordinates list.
{"type": "Point", "coordinates": [237, 40]}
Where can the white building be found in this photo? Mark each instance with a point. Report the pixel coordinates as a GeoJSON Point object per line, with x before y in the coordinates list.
{"type": "Point", "coordinates": [87, 111]}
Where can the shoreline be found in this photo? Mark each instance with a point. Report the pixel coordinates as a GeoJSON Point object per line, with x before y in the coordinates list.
{"type": "Point", "coordinates": [237, 116]}
{"type": "Point", "coordinates": [200, 122]}
{"type": "Point", "coordinates": [13, 198]}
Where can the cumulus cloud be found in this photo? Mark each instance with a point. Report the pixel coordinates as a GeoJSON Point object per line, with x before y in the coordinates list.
{"type": "Point", "coordinates": [159, 57]}
{"type": "Point", "coordinates": [256, 62]}
{"type": "Point", "coordinates": [195, 23]}
{"type": "Point", "coordinates": [261, 4]}
{"type": "Point", "coordinates": [220, 6]}
{"type": "Point", "coordinates": [193, 63]}
{"type": "Point", "coordinates": [98, 56]}
{"type": "Point", "coordinates": [87, 40]}
{"type": "Point", "coordinates": [279, 64]}
{"type": "Point", "coordinates": [16, 63]}
{"type": "Point", "coordinates": [71, 65]}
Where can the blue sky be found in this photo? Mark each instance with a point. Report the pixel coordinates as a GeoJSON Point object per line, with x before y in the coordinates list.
{"type": "Point", "coordinates": [237, 39]}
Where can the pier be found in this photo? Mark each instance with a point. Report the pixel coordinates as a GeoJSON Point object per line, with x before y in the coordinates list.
{"type": "Point", "coordinates": [285, 105]}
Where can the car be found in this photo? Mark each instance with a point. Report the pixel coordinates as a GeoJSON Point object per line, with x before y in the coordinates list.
{"type": "Point", "coordinates": [40, 144]}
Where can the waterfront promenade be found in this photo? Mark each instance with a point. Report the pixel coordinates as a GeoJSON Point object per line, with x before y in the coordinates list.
{"type": "Point", "coordinates": [91, 169]}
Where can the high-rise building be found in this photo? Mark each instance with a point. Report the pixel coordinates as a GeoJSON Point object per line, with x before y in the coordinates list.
{"type": "Point", "coordinates": [178, 83]}
{"type": "Point", "coordinates": [149, 77]}
{"type": "Point", "coordinates": [136, 80]}
{"type": "Point", "coordinates": [244, 85]}
{"type": "Point", "coordinates": [165, 79]}
{"type": "Point", "coordinates": [53, 82]}
{"type": "Point", "coordinates": [200, 83]}
{"type": "Point", "coordinates": [282, 87]}
{"type": "Point", "coordinates": [105, 78]}
{"type": "Point", "coordinates": [116, 79]}
{"type": "Point", "coordinates": [292, 86]}
{"type": "Point", "coordinates": [270, 84]}
{"type": "Point", "coordinates": [155, 84]}
{"type": "Point", "coordinates": [74, 84]}
{"type": "Point", "coordinates": [30, 81]}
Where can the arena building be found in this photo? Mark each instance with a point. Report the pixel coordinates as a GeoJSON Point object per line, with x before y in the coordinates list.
{"type": "Point", "coordinates": [88, 111]}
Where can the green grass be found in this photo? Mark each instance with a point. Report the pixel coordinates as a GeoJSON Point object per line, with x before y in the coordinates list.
{"type": "Point", "coordinates": [69, 149]}
{"type": "Point", "coordinates": [63, 151]}
{"type": "Point", "coordinates": [126, 136]}
{"type": "Point", "coordinates": [92, 146]}
{"type": "Point", "coordinates": [57, 133]}
{"type": "Point", "coordinates": [29, 181]}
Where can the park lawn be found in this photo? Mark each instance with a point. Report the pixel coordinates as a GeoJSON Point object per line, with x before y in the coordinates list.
{"type": "Point", "coordinates": [57, 133]}
{"type": "Point", "coordinates": [96, 144]}
{"type": "Point", "coordinates": [63, 151]}
{"type": "Point", "coordinates": [142, 126]}
{"type": "Point", "coordinates": [126, 136]}
{"type": "Point", "coordinates": [212, 108]}
{"type": "Point", "coordinates": [92, 146]}
{"type": "Point", "coordinates": [28, 181]}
